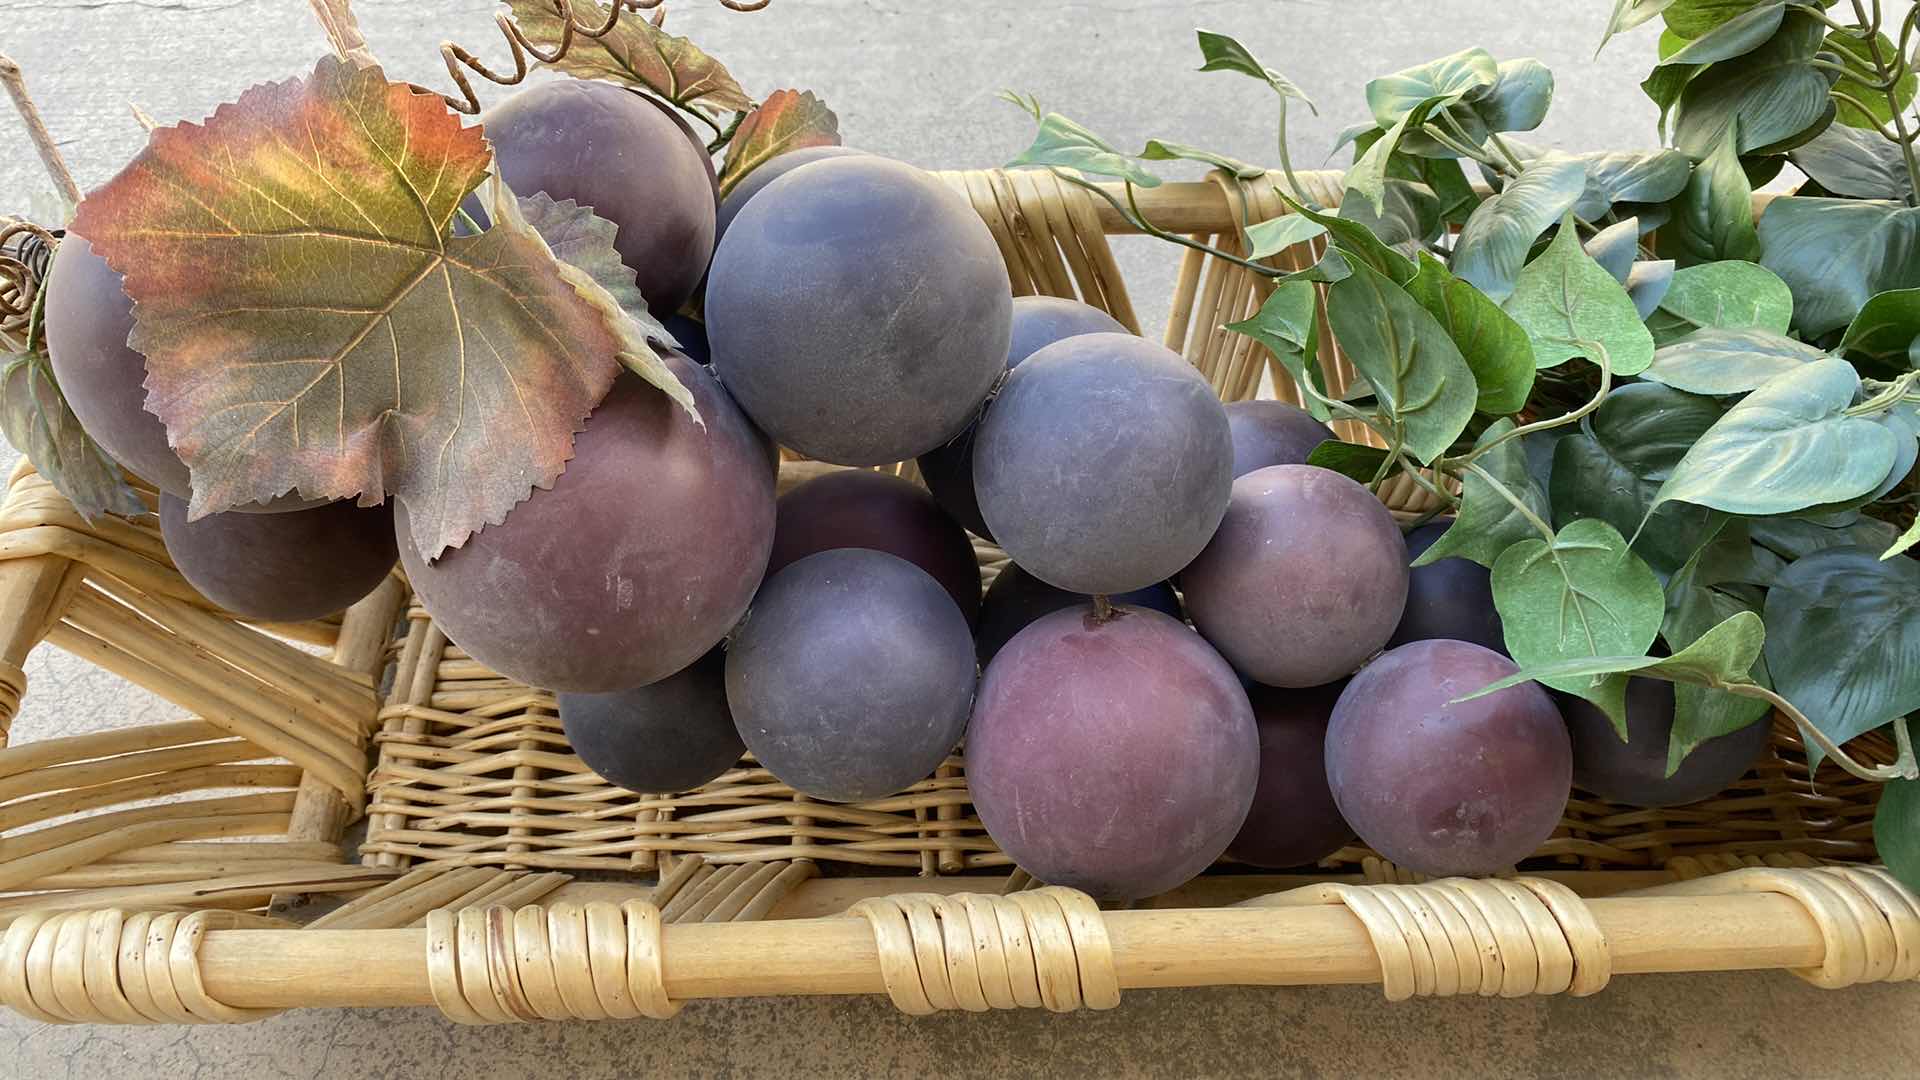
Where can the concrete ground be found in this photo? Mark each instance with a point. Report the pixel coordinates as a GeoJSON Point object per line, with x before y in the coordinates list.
{"type": "Point", "coordinates": [916, 79]}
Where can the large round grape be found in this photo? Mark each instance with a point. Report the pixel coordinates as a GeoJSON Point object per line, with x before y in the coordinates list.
{"type": "Point", "coordinates": [668, 736]}
{"type": "Point", "coordinates": [1442, 787]}
{"type": "Point", "coordinates": [281, 567]}
{"type": "Point", "coordinates": [1104, 464]}
{"type": "Point", "coordinates": [1118, 757]}
{"type": "Point", "coordinates": [88, 319]}
{"type": "Point", "coordinates": [1272, 433]}
{"type": "Point", "coordinates": [1634, 772]}
{"type": "Point", "coordinates": [860, 508]}
{"type": "Point", "coordinates": [851, 678]}
{"type": "Point", "coordinates": [609, 148]}
{"type": "Point", "coordinates": [859, 311]}
{"type": "Point", "coordinates": [1038, 321]}
{"type": "Point", "coordinates": [756, 181]}
{"type": "Point", "coordinates": [1304, 580]}
{"type": "Point", "coordinates": [641, 557]}
{"type": "Point", "coordinates": [1016, 598]}
{"type": "Point", "coordinates": [1294, 820]}
{"type": "Point", "coordinates": [1447, 598]}
{"type": "Point", "coordinates": [692, 336]}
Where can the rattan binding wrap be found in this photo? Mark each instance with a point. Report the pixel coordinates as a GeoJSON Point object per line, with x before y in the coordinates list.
{"type": "Point", "coordinates": [120, 909]}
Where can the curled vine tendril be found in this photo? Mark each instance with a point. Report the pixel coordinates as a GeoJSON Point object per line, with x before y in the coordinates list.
{"type": "Point", "coordinates": [26, 252]}
{"type": "Point", "coordinates": [460, 62]}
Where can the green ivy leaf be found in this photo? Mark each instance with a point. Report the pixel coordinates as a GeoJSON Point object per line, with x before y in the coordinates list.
{"type": "Point", "coordinates": [1162, 150]}
{"type": "Point", "coordinates": [38, 422]}
{"type": "Point", "coordinates": [1615, 248]}
{"type": "Point", "coordinates": [1795, 538]}
{"type": "Point", "coordinates": [1836, 254]}
{"type": "Point", "coordinates": [1787, 446]}
{"type": "Point", "coordinates": [1906, 541]}
{"type": "Point", "coordinates": [1368, 176]}
{"type": "Point", "coordinates": [1713, 217]}
{"type": "Point", "coordinates": [1857, 162]}
{"type": "Point", "coordinates": [1694, 608]}
{"type": "Point", "coordinates": [1352, 460]}
{"type": "Point", "coordinates": [1738, 36]}
{"type": "Point", "coordinates": [1393, 98]}
{"type": "Point", "coordinates": [1408, 217]}
{"type": "Point", "coordinates": [1612, 469]}
{"type": "Point", "coordinates": [1722, 295]}
{"type": "Point", "coordinates": [1843, 639]}
{"type": "Point", "coordinates": [1222, 53]}
{"type": "Point", "coordinates": [1648, 283]}
{"type": "Point", "coordinates": [1288, 326]}
{"type": "Point", "coordinates": [1493, 345]}
{"type": "Point", "coordinates": [1720, 657]}
{"type": "Point", "coordinates": [1580, 597]}
{"type": "Point", "coordinates": [1065, 144]}
{"type": "Point", "coordinates": [1494, 243]}
{"type": "Point", "coordinates": [1666, 84]}
{"type": "Point", "coordinates": [1628, 14]}
{"type": "Point", "coordinates": [1885, 332]}
{"type": "Point", "coordinates": [1719, 362]}
{"type": "Point", "coordinates": [1690, 19]}
{"type": "Point", "coordinates": [1423, 383]}
{"type": "Point", "coordinates": [1565, 301]}
{"type": "Point", "coordinates": [1488, 523]}
{"type": "Point", "coordinates": [1896, 831]}
{"type": "Point", "coordinates": [1358, 242]}
{"type": "Point", "coordinates": [1274, 235]}
{"type": "Point", "coordinates": [1649, 176]}
{"type": "Point", "coordinates": [1861, 80]}
{"type": "Point", "coordinates": [1518, 99]}
{"type": "Point", "coordinates": [1775, 95]}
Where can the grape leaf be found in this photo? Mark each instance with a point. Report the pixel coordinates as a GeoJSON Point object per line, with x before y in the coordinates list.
{"type": "Point", "coordinates": [310, 325]}
{"type": "Point", "coordinates": [38, 422]}
{"type": "Point", "coordinates": [634, 52]}
{"type": "Point", "coordinates": [788, 120]}
{"type": "Point", "coordinates": [584, 240]}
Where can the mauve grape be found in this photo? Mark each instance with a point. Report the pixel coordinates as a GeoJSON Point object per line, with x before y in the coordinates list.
{"type": "Point", "coordinates": [1447, 598]}
{"type": "Point", "coordinates": [609, 148]}
{"type": "Point", "coordinates": [1104, 464]}
{"type": "Point", "coordinates": [1445, 787]}
{"type": "Point", "coordinates": [1304, 580]}
{"type": "Point", "coordinates": [1118, 757]}
{"type": "Point", "coordinates": [852, 677]}
{"type": "Point", "coordinates": [641, 556]}
{"type": "Point", "coordinates": [1038, 321]}
{"type": "Point", "coordinates": [668, 736]}
{"type": "Point", "coordinates": [860, 508]}
{"type": "Point", "coordinates": [1272, 433]}
{"type": "Point", "coordinates": [1294, 820]}
{"type": "Point", "coordinates": [756, 181]}
{"type": "Point", "coordinates": [1634, 772]}
{"type": "Point", "coordinates": [287, 567]}
{"type": "Point", "coordinates": [859, 310]}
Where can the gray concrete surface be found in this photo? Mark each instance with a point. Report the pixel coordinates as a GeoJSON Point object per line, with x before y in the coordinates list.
{"type": "Point", "coordinates": [916, 79]}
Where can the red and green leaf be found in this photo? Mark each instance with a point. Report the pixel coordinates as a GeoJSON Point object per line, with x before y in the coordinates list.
{"type": "Point", "coordinates": [37, 421]}
{"type": "Point", "coordinates": [310, 325]}
{"type": "Point", "coordinates": [788, 120]}
{"type": "Point", "coordinates": [634, 53]}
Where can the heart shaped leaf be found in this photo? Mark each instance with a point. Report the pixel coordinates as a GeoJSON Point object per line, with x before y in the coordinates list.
{"type": "Point", "coordinates": [788, 120]}
{"type": "Point", "coordinates": [1703, 712]}
{"type": "Point", "coordinates": [1612, 469]}
{"type": "Point", "coordinates": [1218, 52]}
{"type": "Point", "coordinates": [1787, 446]}
{"type": "Point", "coordinates": [1493, 345]}
{"type": "Point", "coordinates": [1862, 82]}
{"type": "Point", "coordinates": [1423, 382]}
{"type": "Point", "coordinates": [1718, 362]}
{"type": "Point", "coordinates": [1288, 325]}
{"type": "Point", "coordinates": [1647, 176]}
{"type": "Point", "coordinates": [1570, 306]}
{"type": "Point", "coordinates": [1855, 161]}
{"type": "Point", "coordinates": [1488, 522]}
{"type": "Point", "coordinates": [1493, 245]}
{"type": "Point", "coordinates": [1843, 638]}
{"type": "Point", "coordinates": [1062, 143]}
{"type": "Point", "coordinates": [634, 53]}
{"type": "Point", "coordinates": [1628, 14]}
{"type": "Point", "coordinates": [1518, 99]}
{"type": "Point", "coordinates": [1615, 248]}
{"type": "Point", "coordinates": [310, 325]}
{"type": "Point", "coordinates": [1274, 235]}
{"type": "Point", "coordinates": [1737, 36]}
{"type": "Point", "coordinates": [1896, 830]}
{"type": "Point", "coordinates": [1713, 217]}
{"type": "Point", "coordinates": [1722, 656]}
{"type": "Point", "coordinates": [1836, 254]}
{"type": "Point", "coordinates": [1355, 461]}
{"type": "Point", "coordinates": [1724, 295]}
{"type": "Point", "coordinates": [1445, 81]}
{"type": "Point", "coordinates": [1886, 331]}
{"type": "Point", "coordinates": [1580, 597]}
{"type": "Point", "coordinates": [38, 422]}
{"type": "Point", "coordinates": [1774, 94]}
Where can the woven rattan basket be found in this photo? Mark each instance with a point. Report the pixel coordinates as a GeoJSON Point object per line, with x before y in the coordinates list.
{"type": "Point", "coordinates": [153, 873]}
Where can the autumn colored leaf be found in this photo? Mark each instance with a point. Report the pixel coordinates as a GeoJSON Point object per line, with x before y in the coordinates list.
{"type": "Point", "coordinates": [787, 120]}
{"type": "Point", "coordinates": [37, 421]}
{"type": "Point", "coordinates": [309, 323]}
{"type": "Point", "coordinates": [634, 52]}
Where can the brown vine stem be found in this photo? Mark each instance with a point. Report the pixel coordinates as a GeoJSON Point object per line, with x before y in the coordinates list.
{"type": "Point", "coordinates": [16, 83]}
{"type": "Point", "coordinates": [343, 30]}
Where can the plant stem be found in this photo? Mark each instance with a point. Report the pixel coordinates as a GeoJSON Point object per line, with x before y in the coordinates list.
{"type": "Point", "coordinates": [726, 136]}
{"type": "Point", "coordinates": [1286, 161]}
{"type": "Point", "coordinates": [1134, 218]}
{"type": "Point", "coordinates": [1506, 151]}
{"type": "Point", "coordinates": [1461, 145]}
{"type": "Point", "coordinates": [1891, 75]}
{"type": "Point", "coordinates": [16, 83]}
{"type": "Point", "coordinates": [1606, 386]}
{"type": "Point", "coordinates": [1895, 392]}
{"type": "Point", "coordinates": [1545, 530]}
{"type": "Point", "coordinates": [1902, 769]}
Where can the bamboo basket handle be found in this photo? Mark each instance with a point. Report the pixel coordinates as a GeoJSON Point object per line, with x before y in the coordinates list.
{"type": "Point", "coordinates": [1047, 947]}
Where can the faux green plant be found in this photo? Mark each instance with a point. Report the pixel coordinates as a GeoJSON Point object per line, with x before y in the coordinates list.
{"type": "Point", "coordinates": [1657, 417]}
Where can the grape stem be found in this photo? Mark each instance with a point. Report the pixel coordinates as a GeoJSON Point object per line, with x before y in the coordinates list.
{"type": "Point", "coordinates": [15, 81]}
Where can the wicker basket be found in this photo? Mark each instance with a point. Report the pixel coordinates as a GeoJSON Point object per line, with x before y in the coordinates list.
{"type": "Point", "coordinates": [146, 871]}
